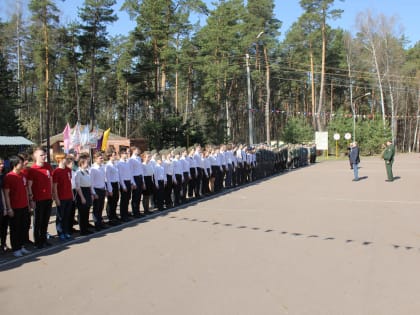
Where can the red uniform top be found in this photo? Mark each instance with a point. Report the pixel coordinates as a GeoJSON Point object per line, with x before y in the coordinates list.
{"type": "Point", "coordinates": [62, 177]}
{"type": "Point", "coordinates": [25, 171]}
{"type": "Point", "coordinates": [41, 181]}
{"type": "Point", "coordinates": [16, 183]}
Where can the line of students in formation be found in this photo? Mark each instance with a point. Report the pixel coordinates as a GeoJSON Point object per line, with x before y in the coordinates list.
{"type": "Point", "coordinates": [163, 180]}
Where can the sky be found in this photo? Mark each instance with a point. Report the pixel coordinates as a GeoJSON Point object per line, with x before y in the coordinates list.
{"type": "Point", "coordinates": [287, 11]}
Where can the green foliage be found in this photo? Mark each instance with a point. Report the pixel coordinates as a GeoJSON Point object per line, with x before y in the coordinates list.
{"type": "Point", "coordinates": [297, 130]}
{"type": "Point", "coordinates": [175, 83]}
{"type": "Point", "coordinates": [370, 133]}
{"type": "Point", "coordinates": [8, 98]}
{"type": "Point", "coordinates": [169, 131]}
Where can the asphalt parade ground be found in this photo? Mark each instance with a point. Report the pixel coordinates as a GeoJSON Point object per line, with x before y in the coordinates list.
{"type": "Point", "coordinates": [309, 241]}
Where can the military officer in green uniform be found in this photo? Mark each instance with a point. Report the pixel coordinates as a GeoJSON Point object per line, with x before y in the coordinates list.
{"type": "Point", "coordinates": [388, 156]}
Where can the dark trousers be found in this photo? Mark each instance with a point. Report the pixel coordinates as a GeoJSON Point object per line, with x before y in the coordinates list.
{"type": "Point", "coordinates": [136, 195]}
{"type": "Point", "coordinates": [234, 175]}
{"type": "Point", "coordinates": [192, 182]}
{"type": "Point", "coordinates": [215, 171]}
{"type": "Point", "coordinates": [243, 173]}
{"type": "Point", "coordinates": [125, 199]}
{"type": "Point", "coordinates": [168, 191]}
{"type": "Point", "coordinates": [185, 186]}
{"type": "Point", "coordinates": [205, 183]}
{"type": "Point", "coordinates": [229, 174]}
{"type": "Point", "coordinates": [98, 206]}
{"type": "Point", "coordinates": [160, 194]}
{"type": "Point", "coordinates": [148, 193]}
{"type": "Point", "coordinates": [4, 225]}
{"type": "Point", "coordinates": [73, 210]}
{"type": "Point", "coordinates": [17, 228]}
{"type": "Point", "coordinates": [42, 216]}
{"type": "Point", "coordinates": [63, 217]}
{"type": "Point", "coordinates": [111, 207]}
{"type": "Point", "coordinates": [388, 167]}
{"type": "Point", "coordinates": [27, 227]}
{"type": "Point", "coordinates": [177, 189]}
{"type": "Point", "coordinates": [83, 209]}
{"type": "Point", "coordinates": [218, 183]}
{"type": "Point", "coordinates": [199, 178]}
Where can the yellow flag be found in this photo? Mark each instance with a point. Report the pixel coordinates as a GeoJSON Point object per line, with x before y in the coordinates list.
{"type": "Point", "coordinates": [105, 139]}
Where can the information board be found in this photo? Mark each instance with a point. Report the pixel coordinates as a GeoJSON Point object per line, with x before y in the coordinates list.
{"type": "Point", "coordinates": [321, 140]}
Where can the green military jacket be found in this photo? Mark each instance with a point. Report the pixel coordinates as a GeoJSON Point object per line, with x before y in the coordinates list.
{"type": "Point", "coordinates": [389, 153]}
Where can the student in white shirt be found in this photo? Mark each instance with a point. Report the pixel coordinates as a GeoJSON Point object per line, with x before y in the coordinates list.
{"type": "Point", "coordinates": [192, 183]}
{"type": "Point", "coordinates": [177, 183]}
{"type": "Point", "coordinates": [186, 174]}
{"type": "Point", "coordinates": [136, 166]}
{"type": "Point", "coordinates": [148, 182]}
{"type": "Point", "coordinates": [126, 184]}
{"type": "Point", "coordinates": [84, 194]}
{"type": "Point", "coordinates": [160, 182]}
{"type": "Point", "coordinates": [205, 162]}
{"type": "Point", "coordinates": [98, 177]}
{"type": "Point", "coordinates": [170, 178]}
{"type": "Point", "coordinates": [112, 186]}
{"type": "Point", "coordinates": [199, 170]}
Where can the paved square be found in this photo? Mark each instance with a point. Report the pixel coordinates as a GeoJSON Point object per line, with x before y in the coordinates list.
{"type": "Point", "coordinates": [309, 241]}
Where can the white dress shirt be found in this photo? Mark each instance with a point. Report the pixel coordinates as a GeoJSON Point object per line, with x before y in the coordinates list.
{"type": "Point", "coordinates": [177, 166]}
{"type": "Point", "coordinates": [185, 165]}
{"type": "Point", "coordinates": [159, 173]}
{"type": "Point", "coordinates": [136, 166]}
{"type": "Point", "coordinates": [197, 159]}
{"type": "Point", "coordinates": [148, 169]}
{"type": "Point", "coordinates": [82, 178]}
{"type": "Point", "coordinates": [169, 167]}
{"type": "Point", "coordinates": [111, 174]}
{"type": "Point", "coordinates": [124, 171]}
{"type": "Point", "coordinates": [97, 177]}
{"type": "Point", "coordinates": [192, 162]}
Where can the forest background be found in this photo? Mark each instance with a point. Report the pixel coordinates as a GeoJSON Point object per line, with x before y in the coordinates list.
{"type": "Point", "coordinates": [174, 82]}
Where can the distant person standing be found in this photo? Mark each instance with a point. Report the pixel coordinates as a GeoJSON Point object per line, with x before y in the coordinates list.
{"type": "Point", "coordinates": [40, 196]}
{"type": "Point", "coordinates": [354, 160]}
{"type": "Point", "coordinates": [388, 156]}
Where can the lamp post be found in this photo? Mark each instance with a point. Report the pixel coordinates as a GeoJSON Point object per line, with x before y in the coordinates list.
{"type": "Point", "coordinates": [250, 122]}
{"type": "Point", "coordinates": [267, 86]}
{"type": "Point", "coordinates": [353, 109]}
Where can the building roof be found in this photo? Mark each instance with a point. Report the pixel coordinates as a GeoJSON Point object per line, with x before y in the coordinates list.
{"type": "Point", "coordinates": [17, 140]}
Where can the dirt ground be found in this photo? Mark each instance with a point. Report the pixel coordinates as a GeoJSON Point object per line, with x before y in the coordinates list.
{"type": "Point", "coordinates": [309, 241]}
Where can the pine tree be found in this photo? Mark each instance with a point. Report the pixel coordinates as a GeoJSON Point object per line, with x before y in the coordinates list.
{"type": "Point", "coordinates": [95, 15]}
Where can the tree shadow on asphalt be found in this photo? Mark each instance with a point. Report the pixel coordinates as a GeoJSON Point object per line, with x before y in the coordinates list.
{"type": "Point", "coordinates": [287, 233]}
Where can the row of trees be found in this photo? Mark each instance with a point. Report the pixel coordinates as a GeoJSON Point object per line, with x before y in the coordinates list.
{"type": "Point", "coordinates": [173, 82]}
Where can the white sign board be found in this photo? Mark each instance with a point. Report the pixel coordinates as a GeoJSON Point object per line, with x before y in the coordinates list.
{"type": "Point", "coordinates": [321, 140]}
{"type": "Point", "coordinates": [347, 136]}
{"type": "Point", "coordinates": [336, 136]}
